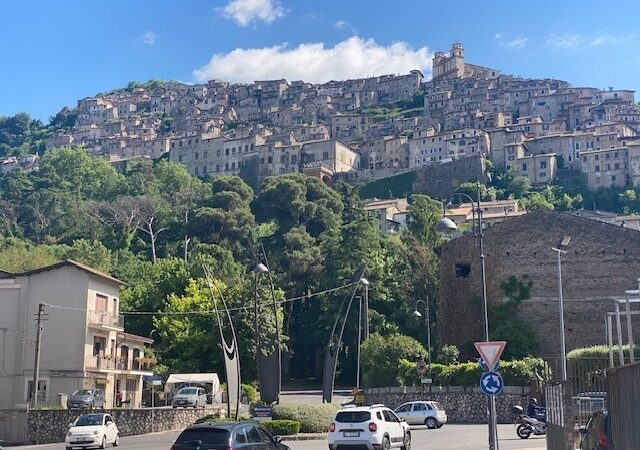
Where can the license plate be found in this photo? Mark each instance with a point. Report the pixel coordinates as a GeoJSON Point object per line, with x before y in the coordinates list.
{"type": "Point", "coordinates": [351, 434]}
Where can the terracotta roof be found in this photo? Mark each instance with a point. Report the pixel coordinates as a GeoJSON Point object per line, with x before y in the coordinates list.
{"type": "Point", "coordinates": [77, 265]}
{"type": "Point", "coordinates": [135, 337]}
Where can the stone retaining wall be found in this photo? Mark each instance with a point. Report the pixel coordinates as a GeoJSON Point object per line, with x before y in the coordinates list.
{"type": "Point", "coordinates": [50, 426]}
{"type": "Point", "coordinates": [462, 406]}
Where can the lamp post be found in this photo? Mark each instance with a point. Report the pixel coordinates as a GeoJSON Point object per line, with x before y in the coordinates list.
{"type": "Point", "coordinates": [260, 269]}
{"type": "Point", "coordinates": [427, 319]}
{"type": "Point", "coordinates": [562, 248]}
{"type": "Point", "coordinates": [359, 297]}
{"type": "Point", "coordinates": [446, 225]}
{"type": "Point", "coordinates": [363, 281]}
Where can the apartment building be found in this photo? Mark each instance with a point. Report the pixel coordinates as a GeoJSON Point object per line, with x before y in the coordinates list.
{"type": "Point", "coordinates": [391, 215]}
{"type": "Point", "coordinates": [425, 151]}
{"type": "Point", "coordinates": [84, 344]}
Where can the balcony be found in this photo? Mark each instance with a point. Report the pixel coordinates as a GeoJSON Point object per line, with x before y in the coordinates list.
{"type": "Point", "coordinates": [106, 319]}
{"type": "Point", "coordinates": [100, 363]}
{"type": "Point", "coordinates": [139, 364]}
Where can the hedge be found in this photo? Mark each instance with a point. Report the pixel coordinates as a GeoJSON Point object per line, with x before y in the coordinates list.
{"type": "Point", "coordinates": [250, 392]}
{"type": "Point", "coordinates": [282, 427]}
{"type": "Point", "coordinates": [600, 352]}
{"type": "Point", "coordinates": [312, 418]}
{"type": "Point", "coordinates": [514, 373]}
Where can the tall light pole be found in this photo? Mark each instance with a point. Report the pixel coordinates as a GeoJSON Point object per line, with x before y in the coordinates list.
{"type": "Point", "coordinates": [427, 319]}
{"type": "Point", "coordinates": [359, 297]}
{"type": "Point", "coordinates": [562, 248]}
{"type": "Point", "coordinates": [363, 281]}
{"type": "Point", "coordinates": [446, 225]}
{"type": "Point", "coordinates": [260, 269]}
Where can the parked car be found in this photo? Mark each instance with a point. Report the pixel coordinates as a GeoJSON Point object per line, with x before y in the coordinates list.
{"type": "Point", "coordinates": [86, 399]}
{"type": "Point", "coordinates": [596, 434]}
{"type": "Point", "coordinates": [374, 427]}
{"type": "Point", "coordinates": [229, 436]}
{"type": "Point", "coordinates": [426, 413]}
{"type": "Point", "coordinates": [190, 397]}
{"type": "Point", "coordinates": [92, 430]}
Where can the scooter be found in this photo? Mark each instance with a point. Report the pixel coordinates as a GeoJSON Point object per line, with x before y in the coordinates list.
{"type": "Point", "coordinates": [526, 425]}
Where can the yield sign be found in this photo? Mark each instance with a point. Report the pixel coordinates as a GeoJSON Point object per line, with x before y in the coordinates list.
{"type": "Point", "coordinates": [490, 351]}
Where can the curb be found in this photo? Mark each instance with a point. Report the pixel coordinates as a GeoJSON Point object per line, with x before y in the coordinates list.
{"type": "Point", "coordinates": [305, 437]}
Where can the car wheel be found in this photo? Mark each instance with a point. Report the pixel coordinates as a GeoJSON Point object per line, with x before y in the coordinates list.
{"type": "Point", "coordinates": [523, 431]}
{"type": "Point", "coordinates": [407, 442]}
{"type": "Point", "coordinates": [431, 423]}
{"type": "Point", "coordinates": [386, 445]}
{"type": "Point", "coordinates": [68, 448]}
{"type": "Point", "coordinates": [116, 442]}
{"type": "Point", "coordinates": [104, 442]}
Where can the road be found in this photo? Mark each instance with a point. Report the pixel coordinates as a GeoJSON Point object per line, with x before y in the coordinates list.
{"type": "Point", "coordinates": [449, 437]}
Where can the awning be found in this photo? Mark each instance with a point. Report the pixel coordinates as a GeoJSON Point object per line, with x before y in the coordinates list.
{"type": "Point", "coordinates": [179, 378]}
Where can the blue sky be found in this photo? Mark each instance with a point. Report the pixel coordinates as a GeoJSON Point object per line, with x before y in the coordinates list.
{"type": "Point", "coordinates": [56, 52]}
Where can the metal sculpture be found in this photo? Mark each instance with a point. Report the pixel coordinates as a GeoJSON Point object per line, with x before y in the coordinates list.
{"type": "Point", "coordinates": [230, 351]}
{"type": "Point", "coordinates": [333, 348]}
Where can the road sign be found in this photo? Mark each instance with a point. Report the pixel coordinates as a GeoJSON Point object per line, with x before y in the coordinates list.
{"type": "Point", "coordinates": [491, 383]}
{"type": "Point", "coordinates": [490, 351]}
{"type": "Point", "coordinates": [151, 378]}
{"type": "Point", "coordinates": [485, 368]}
{"type": "Point", "coordinates": [262, 412]}
{"type": "Point", "coordinates": [157, 382]}
{"type": "Point", "coordinates": [426, 381]}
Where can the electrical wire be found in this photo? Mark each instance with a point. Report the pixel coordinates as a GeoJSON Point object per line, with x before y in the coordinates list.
{"type": "Point", "coordinates": [209, 311]}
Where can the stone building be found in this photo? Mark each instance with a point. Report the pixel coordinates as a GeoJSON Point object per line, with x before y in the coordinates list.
{"type": "Point", "coordinates": [601, 262]}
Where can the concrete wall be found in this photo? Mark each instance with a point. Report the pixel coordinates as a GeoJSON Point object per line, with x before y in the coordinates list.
{"type": "Point", "coordinates": [462, 405]}
{"type": "Point", "coordinates": [49, 426]}
{"type": "Point", "coordinates": [439, 181]}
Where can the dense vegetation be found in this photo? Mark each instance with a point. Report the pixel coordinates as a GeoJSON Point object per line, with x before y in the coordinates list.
{"type": "Point", "coordinates": [154, 225]}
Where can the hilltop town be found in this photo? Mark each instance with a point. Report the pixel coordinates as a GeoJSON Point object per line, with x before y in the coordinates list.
{"type": "Point", "coordinates": [367, 128]}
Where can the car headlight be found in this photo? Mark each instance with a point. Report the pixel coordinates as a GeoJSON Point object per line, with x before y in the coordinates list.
{"type": "Point", "coordinates": [96, 432]}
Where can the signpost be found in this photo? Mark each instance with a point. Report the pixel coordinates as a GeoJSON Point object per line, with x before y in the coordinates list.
{"type": "Point", "coordinates": [262, 412]}
{"type": "Point", "coordinates": [155, 380]}
{"type": "Point", "coordinates": [491, 382]}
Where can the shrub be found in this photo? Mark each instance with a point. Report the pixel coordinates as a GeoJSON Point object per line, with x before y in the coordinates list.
{"type": "Point", "coordinates": [449, 354]}
{"type": "Point", "coordinates": [282, 427]}
{"type": "Point", "coordinates": [381, 357]}
{"type": "Point", "coordinates": [312, 418]}
{"type": "Point", "coordinates": [600, 351]}
{"type": "Point", "coordinates": [250, 392]}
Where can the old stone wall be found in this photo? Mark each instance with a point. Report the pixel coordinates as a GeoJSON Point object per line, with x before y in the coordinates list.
{"type": "Point", "coordinates": [440, 180]}
{"type": "Point", "coordinates": [602, 261]}
{"type": "Point", "coordinates": [462, 405]}
{"type": "Point", "coordinates": [49, 426]}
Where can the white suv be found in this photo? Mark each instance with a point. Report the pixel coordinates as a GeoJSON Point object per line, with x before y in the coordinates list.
{"type": "Point", "coordinates": [374, 427]}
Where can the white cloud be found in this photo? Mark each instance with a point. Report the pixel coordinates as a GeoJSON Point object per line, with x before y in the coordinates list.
{"type": "Point", "coordinates": [246, 12]}
{"type": "Point", "coordinates": [580, 41]}
{"type": "Point", "coordinates": [515, 43]}
{"type": "Point", "coordinates": [344, 25]}
{"type": "Point", "coordinates": [313, 62]}
{"type": "Point", "coordinates": [148, 38]}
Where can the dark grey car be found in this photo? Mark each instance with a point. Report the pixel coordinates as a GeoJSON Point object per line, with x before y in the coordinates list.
{"type": "Point", "coordinates": [86, 399]}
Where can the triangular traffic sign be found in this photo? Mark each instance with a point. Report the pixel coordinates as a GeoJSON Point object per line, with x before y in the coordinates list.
{"type": "Point", "coordinates": [490, 351]}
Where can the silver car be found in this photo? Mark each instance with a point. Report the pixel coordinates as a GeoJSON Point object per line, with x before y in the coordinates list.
{"type": "Point", "coordinates": [426, 413]}
{"type": "Point", "coordinates": [190, 397]}
{"type": "Point", "coordinates": [86, 399]}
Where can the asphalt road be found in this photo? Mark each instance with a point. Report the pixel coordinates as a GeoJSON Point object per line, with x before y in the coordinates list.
{"type": "Point", "coordinates": [449, 437]}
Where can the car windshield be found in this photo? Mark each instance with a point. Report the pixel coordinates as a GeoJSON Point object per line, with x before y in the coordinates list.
{"type": "Point", "coordinates": [353, 416]}
{"type": "Point", "coordinates": [82, 392]}
{"type": "Point", "coordinates": [89, 420]}
{"type": "Point", "coordinates": [437, 406]}
{"type": "Point", "coordinates": [196, 437]}
{"type": "Point", "coordinates": [187, 391]}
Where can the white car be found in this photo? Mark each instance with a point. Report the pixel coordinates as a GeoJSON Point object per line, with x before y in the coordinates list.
{"type": "Point", "coordinates": [374, 427]}
{"type": "Point", "coordinates": [426, 413]}
{"type": "Point", "coordinates": [92, 430]}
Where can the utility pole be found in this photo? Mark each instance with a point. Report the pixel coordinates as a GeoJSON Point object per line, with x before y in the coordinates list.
{"type": "Point", "coordinates": [359, 342]}
{"type": "Point", "coordinates": [36, 363]}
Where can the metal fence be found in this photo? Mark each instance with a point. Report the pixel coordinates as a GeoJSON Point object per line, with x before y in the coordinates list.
{"type": "Point", "coordinates": [624, 406]}
{"type": "Point", "coordinates": [571, 403]}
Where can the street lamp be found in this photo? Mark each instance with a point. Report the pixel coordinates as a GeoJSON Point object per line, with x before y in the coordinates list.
{"type": "Point", "coordinates": [427, 319]}
{"type": "Point", "coordinates": [363, 281]}
{"type": "Point", "coordinates": [562, 248]}
{"type": "Point", "coordinates": [446, 225]}
{"type": "Point", "coordinates": [359, 297]}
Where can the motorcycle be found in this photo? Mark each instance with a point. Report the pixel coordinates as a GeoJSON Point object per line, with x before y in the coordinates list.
{"type": "Point", "coordinates": [526, 425]}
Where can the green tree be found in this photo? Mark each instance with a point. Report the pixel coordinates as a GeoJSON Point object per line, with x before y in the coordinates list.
{"type": "Point", "coordinates": [381, 357]}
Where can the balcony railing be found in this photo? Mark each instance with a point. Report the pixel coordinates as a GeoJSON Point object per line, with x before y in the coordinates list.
{"type": "Point", "coordinates": [100, 362]}
{"type": "Point", "coordinates": [109, 363]}
{"type": "Point", "coordinates": [106, 318]}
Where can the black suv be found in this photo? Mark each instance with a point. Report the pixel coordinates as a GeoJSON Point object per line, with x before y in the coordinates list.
{"type": "Point", "coordinates": [227, 436]}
